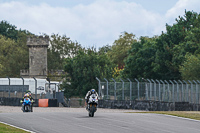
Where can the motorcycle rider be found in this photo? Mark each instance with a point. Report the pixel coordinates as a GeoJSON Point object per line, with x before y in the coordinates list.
{"type": "Point", "coordinates": [27, 95]}
{"type": "Point", "coordinates": [29, 92]}
{"type": "Point", "coordinates": [89, 93]}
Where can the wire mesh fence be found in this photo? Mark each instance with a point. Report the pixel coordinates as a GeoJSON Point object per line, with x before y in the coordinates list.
{"type": "Point", "coordinates": [155, 90]}
{"type": "Point", "coordinates": [17, 87]}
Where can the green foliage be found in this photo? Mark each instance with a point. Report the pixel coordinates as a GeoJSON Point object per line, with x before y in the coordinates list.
{"type": "Point", "coordinates": [60, 48]}
{"type": "Point", "coordinates": [11, 57]}
{"type": "Point", "coordinates": [160, 57]}
{"type": "Point", "coordinates": [119, 50]}
{"type": "Point", "coordinates": [104, 49]}
{"type": "Point", "coordinates": [140, 60]}
{"type": "Point", "coordinates": [190, 69]}
{"type": "Point", "coordinates": [13, 50]}
{"type": "Point", "coordinates": [8, 30]}
{"type": "Point", "coordinates": [82, 71]}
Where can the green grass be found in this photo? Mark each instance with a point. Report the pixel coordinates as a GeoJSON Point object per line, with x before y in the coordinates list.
{"type": "Point", "coordinates": [9, 129]}
{"type": "Point", "coordinates": [186, 114]}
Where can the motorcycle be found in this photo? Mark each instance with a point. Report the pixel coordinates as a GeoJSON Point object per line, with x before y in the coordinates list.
{"type": "Point", "coordinates": [92, 105]}
{"type": "Point", "coordinates": [27, 105]}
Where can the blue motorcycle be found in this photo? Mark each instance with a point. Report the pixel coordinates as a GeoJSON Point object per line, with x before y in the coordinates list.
{"type": "Point", "coordinates": [27, 105]}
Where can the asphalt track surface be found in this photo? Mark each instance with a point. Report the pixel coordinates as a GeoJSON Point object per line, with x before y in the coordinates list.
{"type": "Point", "coordinates": [78, 121]}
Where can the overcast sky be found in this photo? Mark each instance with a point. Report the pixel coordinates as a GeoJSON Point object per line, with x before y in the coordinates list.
{"type": "Point", "coordinates": [94, 22]}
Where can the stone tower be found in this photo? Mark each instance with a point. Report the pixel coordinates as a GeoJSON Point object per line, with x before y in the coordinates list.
{"type": "Point", "coordinates": [37, 57]}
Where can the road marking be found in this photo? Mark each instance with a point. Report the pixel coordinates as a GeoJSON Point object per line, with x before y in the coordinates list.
{"type": "Point", "coordinates": [181, 117]}
{"type": "Point", "coordinates": [17, 127]}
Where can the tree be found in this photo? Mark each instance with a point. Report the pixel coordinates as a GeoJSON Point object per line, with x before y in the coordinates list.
{"type": "Point", "coordinates": [11, 57]}
{"type": "Point", "coordinates": [172, 46]}
{"type": "Point", "coordinates": [104, 49]}
{"type": "Point", "coordinates": [120, 47]}
{"type": "Point", "coordinates": [14, 49]}
{"type": "Point", "coordinates": [139, 63]}
{"type": "Point", "coordinates": [8, 30]}
{"type": "Point", "coordinates": [61, 47]}
{"type": "Point", "coordinates": [82, 71]}
{"type": "Point", "coordinates": [190, 69]}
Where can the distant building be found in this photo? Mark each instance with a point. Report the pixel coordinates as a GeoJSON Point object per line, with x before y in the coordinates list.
{"type": "Point", "coordinates": [37, 57]}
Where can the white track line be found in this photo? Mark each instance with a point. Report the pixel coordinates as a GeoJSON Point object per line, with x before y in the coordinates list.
{"type": "Point", "coordinates": [17, 127]}
{"type": "Point", "coordinates": [180, 117]}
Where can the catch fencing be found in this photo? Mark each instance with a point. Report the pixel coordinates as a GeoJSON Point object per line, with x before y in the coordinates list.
{"type": "Point", "coordinates": [16, 88]}
{"type": "Point", "coordinates": [149, 89]}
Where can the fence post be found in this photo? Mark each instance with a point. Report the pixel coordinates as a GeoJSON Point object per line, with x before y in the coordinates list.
{"type": "Point", "coordinates": [177, 92]}
{"type": "Point", "coordinates": [181, 90]}
{"type": "Point", "coordinates": [115, 89]}
{"type": "Point", "coordinates": [191, 93]}
{"type": "Point", "coordinates": [187, 98]}
{"type": "Point", "coordinates": [150, 89]}
{"type": "Point", "coordinates": [158, 89]}
{"type": "Point", "coordinates": [196, 91]}
{"type": "Point", "coordinates": [8, 87]}
{"type": "Point", "coordinates": [163, 89]}
{"type": "Point", "coordinates": [146, 89]}
{"type": "Point", "coordinates": [99, 86]}
{"type": "Point", "coordinates": [106, 87]}
{"type": "Point", "coordinates": [138, 88]}
{"type": "Point", "coordinates": [23, 86]}
{"type": "Point", "coordinates": [48, 79]}
{"type": "Point", "coordinates": [167, 90]}
{"type": "Point", "coordinates": [122, 89]}
{"type": "Point", "coordinates": [154, 89]}
{"type": "Point", "coordinates": [35, 87]}
{"type": "Point", "coordinates": [191, 97]}
{"type": "Point", "coordinates": [130, 88]}
{"type": "Point", "coordinates": [172, 90]}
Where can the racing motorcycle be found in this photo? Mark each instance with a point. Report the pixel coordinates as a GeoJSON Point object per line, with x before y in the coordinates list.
{"type": "Point", "coordinates": [92, 104]}
{"type": "Point", "coordinates": [27, 105]}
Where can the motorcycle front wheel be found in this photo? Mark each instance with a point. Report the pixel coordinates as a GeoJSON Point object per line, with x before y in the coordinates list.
{"type": "Point", "coordinates": [92, 110]}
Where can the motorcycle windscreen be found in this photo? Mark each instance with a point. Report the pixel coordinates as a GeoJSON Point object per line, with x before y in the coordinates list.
{"type": "Point", "coordinates": [93, 98]}
{"type": "Point", "coordinates": [27, 101]}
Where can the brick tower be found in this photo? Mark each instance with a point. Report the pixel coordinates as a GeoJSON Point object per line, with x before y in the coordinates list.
{"type": "Point", "coordinates": [37, 57]}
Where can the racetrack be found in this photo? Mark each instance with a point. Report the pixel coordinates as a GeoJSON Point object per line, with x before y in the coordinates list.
{"type": "Point", "coordinates": [76, 120]}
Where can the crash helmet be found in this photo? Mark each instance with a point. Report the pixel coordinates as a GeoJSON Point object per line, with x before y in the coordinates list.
{"type": "Point", "coordinates": [28, 91]}
{"type": "Point", "coordinates": [93, 91]}
{"type": "Point", "coordinates": [26, 95]}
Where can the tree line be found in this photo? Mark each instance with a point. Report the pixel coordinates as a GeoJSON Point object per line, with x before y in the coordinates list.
{"type": "Point", "coordinates": [174, 54]}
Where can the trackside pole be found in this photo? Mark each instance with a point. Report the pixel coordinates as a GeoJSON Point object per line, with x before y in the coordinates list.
{"type": "Point", "coordinates": [115, 89]}
{"type": "Point", "coordinates": [130, 88]}
{"type": "Point", "coordinates": [138, 85]}
{"type": "Point", "coordinates": [99, 86]}
{"type": "Point", "coordinates": [106, 87]}
{"type": "Point", "coordinates": [35, 87]}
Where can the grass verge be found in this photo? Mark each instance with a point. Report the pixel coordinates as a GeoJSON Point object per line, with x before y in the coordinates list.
{"type": "Point", "coordinates": [9, 129]}
{"type": "Point", "coordinates": [186, 114]}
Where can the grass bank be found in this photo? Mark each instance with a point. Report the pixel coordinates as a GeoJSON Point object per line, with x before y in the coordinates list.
{"type": "Point", "coordinates": [9, 129]}
{"type": "Point", "coordinates": [186, 114]}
